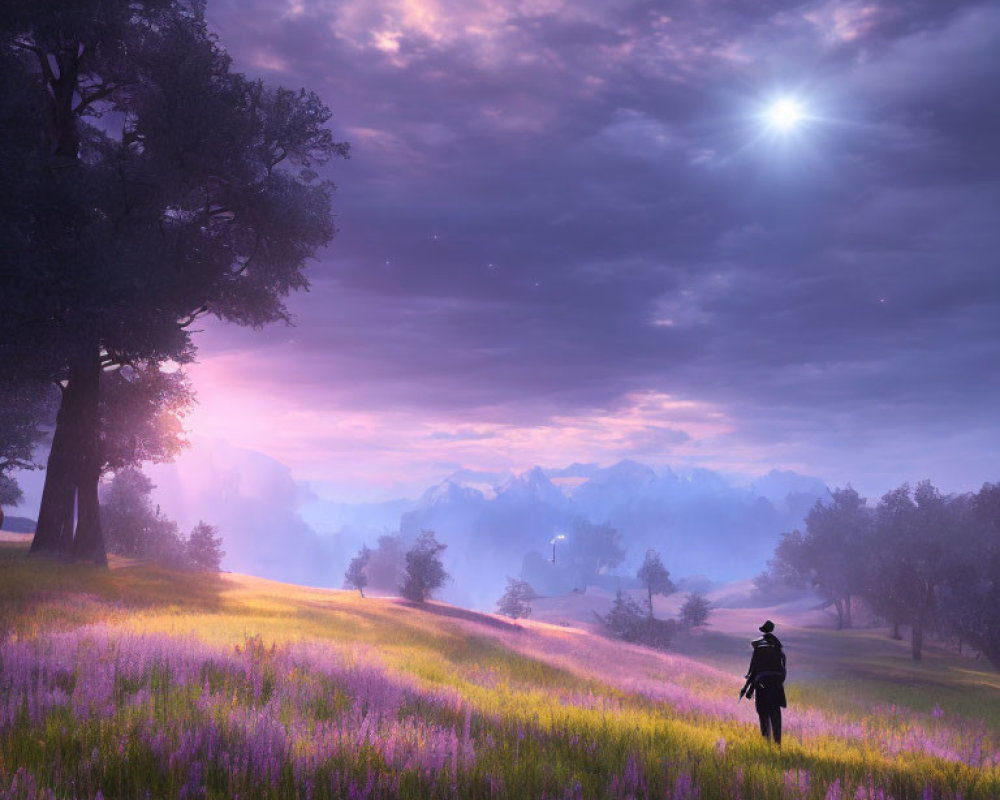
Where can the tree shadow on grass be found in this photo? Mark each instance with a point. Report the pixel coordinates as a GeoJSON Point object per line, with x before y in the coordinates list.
{"type": "Point", "coordinates": [43, 592]}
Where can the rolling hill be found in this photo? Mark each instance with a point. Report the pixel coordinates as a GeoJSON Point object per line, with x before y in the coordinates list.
{"type": "Point", "coordinates": [139, 681]}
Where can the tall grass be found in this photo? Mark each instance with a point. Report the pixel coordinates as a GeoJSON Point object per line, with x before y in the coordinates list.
{"type": "Point", "coordinates": [118, 685]}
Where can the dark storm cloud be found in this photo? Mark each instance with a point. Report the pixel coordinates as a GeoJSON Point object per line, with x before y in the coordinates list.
{"type": "Point", "coordinates": [551, 206]}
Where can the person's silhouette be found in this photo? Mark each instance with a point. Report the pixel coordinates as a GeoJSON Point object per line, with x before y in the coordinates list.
{"type": "Point", "coordinates": [766, 681]}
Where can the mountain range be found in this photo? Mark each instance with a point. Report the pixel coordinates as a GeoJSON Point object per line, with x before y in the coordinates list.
{"type": "Point", "coordinates": [700, 522]}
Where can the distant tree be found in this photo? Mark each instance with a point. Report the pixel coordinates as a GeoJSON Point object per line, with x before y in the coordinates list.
{"type": "Point", "coordinates": [655, 577]}
{"type": "Point", "coordinates": [424, 571]}
{"type": "Point", "coordinates": [828, 554]}
{"type": "Point", "coordinates": [970, 594]}
{"type": "Point", "coordinates": [387, 564]}
{"type": "Point", "coordinates": [778, 581]}
{"type": "Point", "coordinates": [658, 633]}
{"type": "Point", "coordinates": [590, 550]}
{"type": "Point", "coordinates": [135, 527]}
{"type": "Point", "coordinates": [515, 602]}
{"type": "Point", "coordinates": [695, 610]}
{"type": "Point", "coordinates": [204, 547]}
{"type": "Point", "coordinates": [627, 621]}
{"type": "Point", "coordinates": [913, 538]}
{"type": "Point", "coordinates": [355, 577]}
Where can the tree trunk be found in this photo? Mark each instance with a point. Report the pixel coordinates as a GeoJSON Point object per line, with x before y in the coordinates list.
{"type": "Point", "coordinates": [839, 605]}
{"type": "Point", "coordinates": [917, 639]}
{"type": "Point", "coordinates": [992, 652]}
{"type": "Point", "coordinates": [89, 542]}
{"type": "Point", "coordinates": [650, 603]}
{"type": "Point", "coordinates": [848, 621]}
{"type": "Point", "coordinates": [895, 630]}
{"type": "Point", "coordinates": [63, 134]}
{"type": "Point", "coordinates": [54, 531]}
{"type": "Point", "coordinates": [74, 468]}
{"type": "Point", "coordinates": [88, 545]}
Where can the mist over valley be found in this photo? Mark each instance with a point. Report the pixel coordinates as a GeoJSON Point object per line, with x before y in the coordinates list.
{"type": "Point", "coordinates": [495, 525]}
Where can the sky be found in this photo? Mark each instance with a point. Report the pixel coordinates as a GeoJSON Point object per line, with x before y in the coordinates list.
{"type": "Point", "coordinates": [569, 232]}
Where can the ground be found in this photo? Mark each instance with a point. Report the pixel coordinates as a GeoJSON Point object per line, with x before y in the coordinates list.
{"type": "Point", "coordinates": [378, 697]}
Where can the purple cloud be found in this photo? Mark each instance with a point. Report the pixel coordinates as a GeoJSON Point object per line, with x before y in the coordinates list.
{"type": "Point", "coordinates": [554, 208]}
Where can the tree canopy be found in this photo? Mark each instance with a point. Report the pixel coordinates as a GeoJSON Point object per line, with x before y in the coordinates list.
{"type": "Point", "coordinates": [516, 599]}
{"type": "Point", "coordinates": [154, 185]}
{"type": "Point", "coordinates": [355, 577]}
{"type": "Point", "coordinates": [424, 571]}
{"type": "Point", "coordinates": [916, 558]}
{"type": "Point", "coordinates": [655, 577]}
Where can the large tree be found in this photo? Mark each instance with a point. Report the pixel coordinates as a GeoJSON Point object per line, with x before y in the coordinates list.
{"type": "Point", "coordinates": [26, 393]}
{"type": "Point", "coordinates": [831, 553]}
{"type": "Point", "coordinates": [970, 594]}
{"type": "Point", "coordinates": [914, 532]}
{"type": "Point", "coordinates": [162, 186]}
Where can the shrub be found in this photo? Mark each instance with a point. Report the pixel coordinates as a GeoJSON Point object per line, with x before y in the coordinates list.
{"type": "Point", "coordinates": [695, 610]}
{"type": "Point", "coordinates": [627, 621]}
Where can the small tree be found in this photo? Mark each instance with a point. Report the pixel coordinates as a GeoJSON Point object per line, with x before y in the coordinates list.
{"type": "Point", "coordinates": [655, 578]}
{"type": "Point", "coordinates": [515, 601]}
{"type": "Point", "coordinates": [355, 577]}
{"type": "Point", "coordinates": [204, 547]}
{"type": "Point", "coordinates": [695, 610]}
{"type": "Point", "coordinates": [424, 570]}
{"type": "Point", "coordinates": [626, 621]}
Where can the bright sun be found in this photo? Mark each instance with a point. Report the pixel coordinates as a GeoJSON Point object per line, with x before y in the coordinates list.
{"type": "Point", "coordinates": [785, 114]}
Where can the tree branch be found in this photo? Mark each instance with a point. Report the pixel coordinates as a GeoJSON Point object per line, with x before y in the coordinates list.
{"type": "Point", "coordinates": [200, 312]}
{"type": "Point", "coordinates": [43, 59]}
{"type": "Point", "coordinates": [97, 94]}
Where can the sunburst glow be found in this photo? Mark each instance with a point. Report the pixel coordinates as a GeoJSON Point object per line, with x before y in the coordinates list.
{"type": "Point", "coordinates": [785, 114]}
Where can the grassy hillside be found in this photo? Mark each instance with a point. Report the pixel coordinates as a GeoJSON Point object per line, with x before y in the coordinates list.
{"type": "Point", "coordinates": [139, 680]}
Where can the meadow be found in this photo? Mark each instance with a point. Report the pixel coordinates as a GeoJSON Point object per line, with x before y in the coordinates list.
{"type": "Point", "coordinates": [140, 682]}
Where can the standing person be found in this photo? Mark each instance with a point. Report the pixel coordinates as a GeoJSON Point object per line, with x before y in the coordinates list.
{"type": "Point", "coordinates": [766, 681]}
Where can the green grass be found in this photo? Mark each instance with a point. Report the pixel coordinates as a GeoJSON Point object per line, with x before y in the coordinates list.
{"type": "Point", "coordinates": [548, 712]}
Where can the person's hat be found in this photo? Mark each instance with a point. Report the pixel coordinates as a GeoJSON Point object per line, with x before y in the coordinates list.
{"type": "Point", "coordinates": [767, 627]}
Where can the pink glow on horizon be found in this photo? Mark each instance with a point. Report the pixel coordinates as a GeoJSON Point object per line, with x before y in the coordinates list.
{"type": "Point", "coordinates": [324, 438]}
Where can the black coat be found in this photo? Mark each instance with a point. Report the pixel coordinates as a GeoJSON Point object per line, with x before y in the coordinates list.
{"type": "Point", "coordinates": [767, 671]}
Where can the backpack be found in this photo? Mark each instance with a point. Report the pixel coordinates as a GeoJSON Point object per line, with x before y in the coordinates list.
{"type": "Point", "coordinates": [768, 658]}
